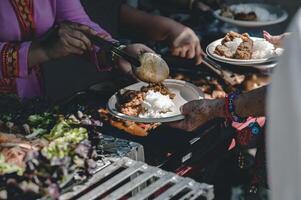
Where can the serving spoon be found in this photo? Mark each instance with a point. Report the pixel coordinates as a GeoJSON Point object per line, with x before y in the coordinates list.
{"type": "Point", "coordinates": [150, 67]}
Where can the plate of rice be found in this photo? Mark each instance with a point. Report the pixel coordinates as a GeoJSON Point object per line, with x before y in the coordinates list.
{"type": "Point", "coordinates": [153, 103]}
{"type": "Point", "coordinates": [243, 50]}
{"type": "Point", "coordinates": [251, 14]}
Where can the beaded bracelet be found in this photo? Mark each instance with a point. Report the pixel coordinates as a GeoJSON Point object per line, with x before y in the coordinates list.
{"type": "Point", "coordinates": [230, 108]}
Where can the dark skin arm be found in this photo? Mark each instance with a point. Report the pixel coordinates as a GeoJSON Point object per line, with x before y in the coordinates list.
{"type": "Point", "coordinates": [198, 112]}
{"type": "Point", "coordinates": [72, 38]}
{"type": "Point", "coordinates": [182, 40]}
{"type": "Point", "coordinates": [184, 4]}
{"type": "Point", "coordinates": [177, 3]}
{"type": "Point", "coordinates": [142, 23]}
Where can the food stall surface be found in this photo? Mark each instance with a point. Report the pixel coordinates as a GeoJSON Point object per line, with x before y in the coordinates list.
{"type": "Point", "coordinates": [96, 176]}
{"type": "Point", "coordinates": [127, 179]}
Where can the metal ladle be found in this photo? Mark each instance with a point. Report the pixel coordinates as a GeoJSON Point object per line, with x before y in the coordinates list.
{"type": "Point", "coordinates": [153, 68]}
{"type": "Point", "coordinates": [150, 67]}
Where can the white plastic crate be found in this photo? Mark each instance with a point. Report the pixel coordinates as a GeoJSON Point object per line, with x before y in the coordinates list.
{"type": "Point", "coordinates": [127, 179]}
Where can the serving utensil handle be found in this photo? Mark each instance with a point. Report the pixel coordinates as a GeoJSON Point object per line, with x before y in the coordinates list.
{"type": "Point", "coordinates": [113, 47]}
{"type": "Point", "coordinates": [228, 76]}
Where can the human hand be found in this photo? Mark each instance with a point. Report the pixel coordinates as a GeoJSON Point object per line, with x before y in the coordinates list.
{"type": "Point", "coordinates": [185, 43]}
{"type": "Point", "coordinates": [69, 38]}
{"type": "Point", "coordinates": [275, 40]}
{"type": "Point", "coordinates": [198, 112]}
{"type": "Point", "coordinates": [134, 50]}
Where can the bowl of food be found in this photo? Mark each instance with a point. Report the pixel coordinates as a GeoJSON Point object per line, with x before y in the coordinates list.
{"type": "Point", "coordinates": [154, 102]}
{"type": "Point", "coordinates": [251, 14]}
{"type": "Point", "coordinates": [243, 50]}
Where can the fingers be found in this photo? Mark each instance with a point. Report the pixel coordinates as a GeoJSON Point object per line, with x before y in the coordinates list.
{"type": "Point", "coordinates": [83, 28]}
{"type": "Point", "coordinates": [176, 51]}
{"type": "Point", "coordinates": [199, 54]}
{"type": "Point", "coordinates": [73, 42]}
{"type": "Point", "coordinates": [104, 36]}
{"type": "Point", "coordinates": [137, 49]}
{"type": "Point", "coordinates": [82, 32]}
{"type": "Point", "coordinates": [199, 59]}
{"type": "Point", "coordinates": [187, 108]}
{"type": "Point", "coordinates": [89, 31]}
{"type": "Point", "coordinates": [267, 36]}
{"type": "Point", "coordinates": [145, 49]}
{"type": "Point", "coordinates": [68, 48]}
{"type": "Point", "coordinates": [184, 51]}
{"type": "Point", "coordinates": [82, 39]}
{"type": "Point", "coordinates": [126, 69]}
{"type": "Point", "coordinates": [191, 53]}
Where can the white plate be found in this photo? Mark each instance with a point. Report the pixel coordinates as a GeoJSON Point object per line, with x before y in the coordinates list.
{"type": "Point", "coordinates": [184, 92]}
{"type": "Point", "coordinates": [281, 16]}
{"type": "Point", "coordinates": [251, 62]}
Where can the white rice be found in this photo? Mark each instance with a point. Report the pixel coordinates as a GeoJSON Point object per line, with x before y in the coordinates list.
{"type": "Point", "coordinates": [262, 14]}
{"type": "Point", "coordinates": [157, 105]}
{"type": "Point", "coordinates": [261, 48]}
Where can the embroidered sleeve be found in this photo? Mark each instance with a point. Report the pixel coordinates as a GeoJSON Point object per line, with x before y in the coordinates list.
{"type": "Point", "coordinates": [13, 60]}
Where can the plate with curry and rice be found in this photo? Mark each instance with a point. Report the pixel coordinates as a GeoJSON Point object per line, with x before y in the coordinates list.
{"type": "Point", "coordinates": [153, 102]}
{"type": "Point", "coordinates": [243, 50]}
{"type": "Point", "coordinates": [251, 14]}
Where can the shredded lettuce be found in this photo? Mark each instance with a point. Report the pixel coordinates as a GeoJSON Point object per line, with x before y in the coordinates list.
{"type": "Point", "coordinates": [64, 140]}
{"type": "Point", "coordinates": [7, 168]}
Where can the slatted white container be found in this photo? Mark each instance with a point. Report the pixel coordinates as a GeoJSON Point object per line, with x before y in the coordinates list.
{"type": "Point", "coordinates": [127, 179]}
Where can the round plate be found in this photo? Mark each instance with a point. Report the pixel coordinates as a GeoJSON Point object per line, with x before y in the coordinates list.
{"type": "Point", "coordinates": [210, 51]}
{"type": "Point", "coordinates": [281, 16]}
{"type": "Point", "coordinates": [184, 92]}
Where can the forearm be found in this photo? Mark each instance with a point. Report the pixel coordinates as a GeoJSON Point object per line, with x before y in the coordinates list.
{"type": "Point", "coordinates": [143, 24]}
{"type": "Point", "coordinates": [177, 3]}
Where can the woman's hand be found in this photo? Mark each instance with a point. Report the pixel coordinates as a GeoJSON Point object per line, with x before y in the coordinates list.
{"type": "Point", "coordinates": [185, 43]}
{"type": "Point", "coordinates": [198, 112]}
{"type": "Point", "coordinates": [134, 50]}
{"type": "Point", "coordinates": [275, 40]}
{"type": "Point", "coordinates": [69, 38]}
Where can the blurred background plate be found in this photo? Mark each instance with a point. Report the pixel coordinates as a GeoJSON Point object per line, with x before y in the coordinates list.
{"type": "Point", "coordinates": [238, 62]}
{"type": "Point", "coordinates": [183, 90]}
{"type": "Point", "coordinates": [275, 10]}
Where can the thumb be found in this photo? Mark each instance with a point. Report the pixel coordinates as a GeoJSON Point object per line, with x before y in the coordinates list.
{"type": "Point", "coordinates": [147, 49]}
{"type": "Point", "coordinates": [186, 109]}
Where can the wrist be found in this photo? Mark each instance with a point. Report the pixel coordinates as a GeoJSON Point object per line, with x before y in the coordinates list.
{"type": "Point", "coordinates": [172, 29]}
{"type": "Point", "coordinates": [239, 106]}
{"type": "Point", "coordinates": [37, 54]}
{"type": "Point", "coordinates": [219, 108]}
{"type": "Point", "coordinates": [231, 108]}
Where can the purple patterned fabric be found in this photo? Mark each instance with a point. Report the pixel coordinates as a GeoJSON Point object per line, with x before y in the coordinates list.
{"type": "Point", "coordinates": [47, 13]}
